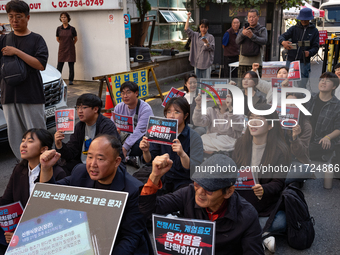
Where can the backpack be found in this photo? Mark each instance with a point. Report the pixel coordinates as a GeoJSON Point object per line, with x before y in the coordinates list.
{"type": "Point", "coordinates": [300, 225]}
{"type": "Point", "coordinates": [13, 68]}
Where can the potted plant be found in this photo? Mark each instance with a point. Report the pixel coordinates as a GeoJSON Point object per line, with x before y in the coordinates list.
{"type": "Point", "coordinates": [140, 29]}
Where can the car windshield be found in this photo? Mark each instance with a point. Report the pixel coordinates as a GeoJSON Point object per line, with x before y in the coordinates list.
{"type": "Point", "coordinates": [332, 14]}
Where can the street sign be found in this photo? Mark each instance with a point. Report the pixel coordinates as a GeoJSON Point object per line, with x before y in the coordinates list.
{"type": "Point", "coordinates": [127, 25]}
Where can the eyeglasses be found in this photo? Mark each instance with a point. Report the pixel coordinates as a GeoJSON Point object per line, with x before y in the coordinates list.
{"type": "Point", "coordinates": [337, 70]}
{"type": "Point", "coordinates": [128, 93]}
{"type": "Point", "coordinates": [82, 108]}
{"type": "Point", "coordinates": [198, 186]}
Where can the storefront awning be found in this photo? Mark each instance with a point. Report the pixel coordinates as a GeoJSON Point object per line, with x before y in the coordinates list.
{"type": "Point", "coordinates": [293, 12]}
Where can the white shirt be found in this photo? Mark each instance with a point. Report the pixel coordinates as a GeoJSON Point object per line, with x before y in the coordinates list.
{"type": "Point", "coordinates": [32, 176]}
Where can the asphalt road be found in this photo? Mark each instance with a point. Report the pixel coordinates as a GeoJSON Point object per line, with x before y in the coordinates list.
{"type": "Point", "coordinates": [323, 204]}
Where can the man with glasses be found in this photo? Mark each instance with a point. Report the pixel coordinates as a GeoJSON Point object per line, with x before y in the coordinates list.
{"type": "Point", "coordinates": [91, 122]}
{"type": "Point", "coordinates": [141, 111]}
{"type": "Point", "coordinates": [23, 104]}
{"type": "Point", "coordinates": [211, 197]}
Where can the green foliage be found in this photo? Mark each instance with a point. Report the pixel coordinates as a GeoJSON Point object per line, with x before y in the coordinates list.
{"type": "Point", "coordinates": [286, 4]}
{"type": "Point", "coordinates": [143, 6]}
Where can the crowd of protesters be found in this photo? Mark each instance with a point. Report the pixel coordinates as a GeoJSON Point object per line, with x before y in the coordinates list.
{"type": "Point", "coordinates": [97, 152]}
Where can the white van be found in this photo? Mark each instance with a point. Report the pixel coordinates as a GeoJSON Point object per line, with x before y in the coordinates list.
{"type": "Point", "coordinates": [55, 95]}
{"type": "Point", "coordinates": [331, 19]}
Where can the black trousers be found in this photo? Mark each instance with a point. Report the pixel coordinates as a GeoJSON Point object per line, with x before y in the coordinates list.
{"type": "Point", "coordinates": [227, 61]}
{"type": "Point", "coordinates": [71, 67]}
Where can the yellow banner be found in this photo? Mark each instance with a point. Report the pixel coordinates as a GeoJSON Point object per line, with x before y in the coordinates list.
{"type": "Point", "coordinates": [138, 77]}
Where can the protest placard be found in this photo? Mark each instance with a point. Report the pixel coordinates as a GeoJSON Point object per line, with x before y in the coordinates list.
{"type": "Point", "coordinates": [291, 119]}
{"type": "Point", "coordinates": [72, 220]}
{"type": "Point", "coordinates": [245, 179]}
{"type": "Point", "coordinates": [123, 123]}
{"type": "Point", "coordinates": [161, 130]}
{"type": "Point", "coordinates": [277, 83]}
{"type": "Point", "coordinates": [10, 215]}
{"type": "Point", "coordinates": [138, 77]}
{"type": "Point", "coordinates": [173, 93]}
{"type": "Point", "coordinates": [322, 36]}
{"type": "Point", "coordinates": [294, 73]}
{"type": "Point", "coordinates": [183, 236]}
{"type": "Point", "coordinates": [217, 84]}
{"type": "Point", "coordinates": [64, 120]}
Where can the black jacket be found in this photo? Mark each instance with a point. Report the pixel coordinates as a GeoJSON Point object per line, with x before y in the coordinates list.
{"type": "Point", "coordinates": [295, 33]}
{"type": "Point", "coordinates": [237, 232]}
{"type": "Point", "coordinates": [71, 151]}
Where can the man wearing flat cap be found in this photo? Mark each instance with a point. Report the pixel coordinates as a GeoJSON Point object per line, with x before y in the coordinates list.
{"type": "Point", "coordinates": [304, 43]}
{"type": "Point", "coordinates": [210, 197]}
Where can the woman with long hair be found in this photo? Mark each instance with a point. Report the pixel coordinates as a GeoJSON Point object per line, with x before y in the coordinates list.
{"type": "Point", "coordinates": [263, 146]}
{"type": "Point", "coordinates": [185, 152]}
{"type": "Point", "coordinates": [25, 174]}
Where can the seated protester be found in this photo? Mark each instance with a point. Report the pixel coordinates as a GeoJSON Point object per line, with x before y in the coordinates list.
{"type": "Point", "coordinates": [211, 198]}
{"type": "Point", "coordinates": [91, 122]}
{"type": "Point", "coordinates": [325, 118]}
{"type": "Point", "coordinates": [298, 139]}
{"type": "Point", "coordinates": [263, 144]}
{"type": "Point", "coordinates": [25, 174]}
{"type": "Point", "coordinates": [141, 111]}
{"type": "Point", "coordinates": [186, 151]}
{"type": "Point", "coordinates": [221, 136]}
{"type": "Point", "coordinates": [337, 72]}
{"type": "Point", "coordinates": [250, 80]}
{"type": "Point", "coordinates": [266, 86]}
{"type": "Point", "coordinates": [104, 171]}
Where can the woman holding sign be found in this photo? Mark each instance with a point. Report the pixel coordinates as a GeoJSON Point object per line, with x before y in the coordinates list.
{"type": "Point", "coordinates": [262, 146]}
{"type": "Point", "coordinates": [185, 152]}
{"type": "Point", "coordinates": [26, 173]}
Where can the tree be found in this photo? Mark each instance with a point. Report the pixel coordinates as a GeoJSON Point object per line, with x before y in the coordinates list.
{"type": "Point", "coordinates": [143, 6]}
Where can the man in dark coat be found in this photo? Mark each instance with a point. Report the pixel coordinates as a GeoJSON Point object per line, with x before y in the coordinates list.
{"type": "Point", "coordinates": [301, 34]}
{"type": "Point", "coordinates": [103, 171]}
{"type": "Point", "coordinates": [91, 123]}
{"type": "Point", "coordinates": [211, 197]}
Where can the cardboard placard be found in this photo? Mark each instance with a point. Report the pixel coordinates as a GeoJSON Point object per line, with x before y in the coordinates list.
{"type": "Point", "coordinates": [276, 83]}
{"type": "Point", "coordinates": [10, 215]}
{"type": "Point", "coordinates": [322, 36]}
{"type": "Point", "coordinates": [294, 73]}
{"type": "Point", "coordinates": [72, 220]}
{"type": "Point", "coordinates": [64, 120]}
{"type": "Point", "coordinates": [183, 236]}
{"type": "Point", "coordinates": [161, 130]}
{"type": "Point", "coordinates": [123, 122]}
{"type": "Point", "coordinates": [173, 93]}
{"type": "Point", "coordinates": [245, 179]}
{"type": "Point", "coordinates": [138, 77]}
{"type": "Point", "coordinates": [217, 84]}
{"type": "Point", "coordinates": [291, 119]}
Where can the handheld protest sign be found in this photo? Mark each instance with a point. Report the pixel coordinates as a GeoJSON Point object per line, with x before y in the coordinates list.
{"type": "Point", "coordinates": [173, 93]}
{"type": "Point", "coordinates": [64, 120]}
{"type": "Point", "coordinates": [294, 73]}
{"type": "Point", "coordinates": [10, 215]}
{"type": "Point", "coordinates": [72, 220]}
{"type": "Point", "coordinates": [161, 130]}
{"type": "Point", "coordinates": [183, 236]}
{"type": "Point", "coordinates": [277, 83]}
{"type": "Point", "coordinates": [245, 179]}
{"type": "Point", "coordinates": [291, 119]}
{"type": "Point", "coordinates": [214, 88]}
{"type": "Point", "coordinates": [123, 123]}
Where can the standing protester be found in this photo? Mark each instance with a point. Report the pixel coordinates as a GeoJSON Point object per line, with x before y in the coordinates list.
{"type": "Point", "coordinates": [231, 50]}
{"type": "Point", "coordinates": [23, 104]}
{"type": "Point", "coordinates": [67, 38]}
{"type": "Point", "coordinates": [300, 34]}
{"type": "Point", "coordinates": [202, 48]}
{"type": "Point", "coordinates": [251, 38]}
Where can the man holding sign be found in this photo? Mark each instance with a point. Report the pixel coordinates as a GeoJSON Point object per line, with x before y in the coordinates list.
{"type": "Point", "coordinates": [210, 197]}
{"type": "Point", "coordinates": [103, 171]}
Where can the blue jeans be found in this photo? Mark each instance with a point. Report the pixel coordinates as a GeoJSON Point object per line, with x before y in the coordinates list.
{"type": "Point", "coordinates": [203, 73]}
{"type": "Point", "coordinates": [305, 70]}
{"type": "Point", "coordinates": [278, 225]}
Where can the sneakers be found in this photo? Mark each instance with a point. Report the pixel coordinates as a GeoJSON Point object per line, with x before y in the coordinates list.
{"type": "Point", "coordinates": [133, 161]}
{"type": "Point", "coordinates": [70, 83]}
{"type": "Point", "coordinates": [269, 243]}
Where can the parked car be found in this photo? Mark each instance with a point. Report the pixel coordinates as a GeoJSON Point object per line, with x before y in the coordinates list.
{"type": "Point", "coordinates": [55, 95]}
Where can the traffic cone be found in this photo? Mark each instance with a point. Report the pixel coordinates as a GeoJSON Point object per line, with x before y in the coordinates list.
{"type": "Point", "coordinates": [108, 103]}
